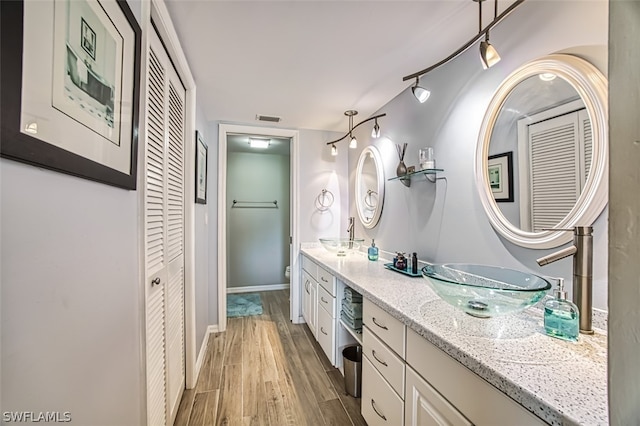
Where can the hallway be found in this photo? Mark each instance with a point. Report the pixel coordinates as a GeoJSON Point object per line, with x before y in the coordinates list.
{"type": "Point", "coordinates": [264, 370]}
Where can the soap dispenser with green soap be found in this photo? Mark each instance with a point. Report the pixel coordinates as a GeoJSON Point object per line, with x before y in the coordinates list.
{"type": "Point", "coordinates": [561, 316]}
{"type": "Point", "coordinates": [373, 251]}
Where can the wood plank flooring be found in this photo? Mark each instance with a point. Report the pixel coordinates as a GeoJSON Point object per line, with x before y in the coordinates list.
{"type": "Point", "coordinates": [266, 371]}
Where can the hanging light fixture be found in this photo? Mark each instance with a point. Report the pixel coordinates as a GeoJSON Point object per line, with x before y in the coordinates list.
{"type": "Point", "coordinates": [467, 45]}
{"type": "Point", "coordinates": [375, 133]}
{"type": "Point", "coordinates": [353, 142]}
{"type": "Point", "coordinates": [488, 54]}
{"type": "Point", "coordinates": [420, 92]}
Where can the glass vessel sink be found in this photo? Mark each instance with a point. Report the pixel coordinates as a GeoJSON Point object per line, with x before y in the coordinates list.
{"type": "Point", "coordinates": [485, 291]}
{"type": "Point", "coordinates": [341, 246]}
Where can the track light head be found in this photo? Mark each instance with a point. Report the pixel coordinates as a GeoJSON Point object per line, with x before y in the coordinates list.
{"type": "Point", "coordinates": [419, 92]}
{"type": "Point", "coordinates": [334, 150]}
{"type": "Point", "coordinates": [375, 133]}
{"type": "Point", "coordinates": [353, 144]}
{"type": "Point", "coordinates": [488, 54]}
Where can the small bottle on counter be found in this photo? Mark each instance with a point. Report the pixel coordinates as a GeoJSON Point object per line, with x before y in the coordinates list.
{"type": "Point", "coordinates": [561, 316]}
{"type": "Point", "coordinates": [409, 263]}
{"type": "Point", "coordinates": [373, 251]}
{"type": "Point", "coordinates": [414, 263]}
{"type": "Point", "coordinates": [401, 262]}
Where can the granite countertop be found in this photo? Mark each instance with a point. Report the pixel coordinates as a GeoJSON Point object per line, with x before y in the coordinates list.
{"type": "Point", "coordinates": [561, 382]}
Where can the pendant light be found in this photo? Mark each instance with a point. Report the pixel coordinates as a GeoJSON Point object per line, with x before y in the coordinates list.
{"type": "Point", "coordinates": [375, 133]}
{"type": "Point", "coordinates": [353, 142]}
{"type": "Point", "coordinates": [420, 92]}
{"type": "Point", "coordinates": [488, 54]}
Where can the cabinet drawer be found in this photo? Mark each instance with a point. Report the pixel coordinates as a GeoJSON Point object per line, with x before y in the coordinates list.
{"type": "Point", "coordinates": [380, 405]}
{"type": "Point", "coordinates": [387, 328]}
{"type": "Point", "coordinates": [325, 333]}
{"type": "Point", "coordinates": [309, 266]}
{"type": "Point", "coordinates": [465, 390]}
{"type": "Point", "coordinates": [384, 360]}
{"type": "Point", "coordinates": [327, 301]}
{"type": "Point", "coordinates": [326, 280]}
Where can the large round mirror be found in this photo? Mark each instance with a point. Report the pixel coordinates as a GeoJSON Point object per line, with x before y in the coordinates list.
{"type": "Point", "coordinates": [369, 186]}
{"type": "Point", "coordinates": [541, 160]}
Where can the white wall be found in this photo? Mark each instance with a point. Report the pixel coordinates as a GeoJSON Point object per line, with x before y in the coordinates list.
{"type": "Point", "coordinates": [257, 236]}
{"type": "Point", "coordinates": [445, 221]}
{"type": "Point", "coordinates": [202, 226]}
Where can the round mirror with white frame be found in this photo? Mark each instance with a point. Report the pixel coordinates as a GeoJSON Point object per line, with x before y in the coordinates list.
{"type": "Point", "coordinates": [369, 186]}
{"type": "Point", "coordinates": [542, 153]}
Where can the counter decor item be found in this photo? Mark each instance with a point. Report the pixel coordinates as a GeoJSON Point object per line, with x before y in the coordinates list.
{"type": "Point", "coordinates": [561, 316]}
{"type": "Point", "coordinates": [373, 251]}
{"type": "Point", "coordinates": [401, 261]}
{"type": "Point", "coordinates": [427, 159]}
{"type": "Point", "coordinates": [401, 170]}
{"type": "Point", "coordinates": [407, 272]}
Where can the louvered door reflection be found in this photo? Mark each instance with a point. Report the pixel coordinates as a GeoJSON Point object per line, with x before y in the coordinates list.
{"type": "Point", "coordinates": [164, 237]}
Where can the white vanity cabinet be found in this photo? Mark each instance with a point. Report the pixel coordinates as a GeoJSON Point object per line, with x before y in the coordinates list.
{"type": "Point", "coordinates": [441, 387]}
{"type": "Point", "coordinates": [309, 297]}
{"type": "Point", "coordinates": [383, 367]}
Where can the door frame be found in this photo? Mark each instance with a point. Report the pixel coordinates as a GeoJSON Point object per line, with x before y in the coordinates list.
{"type": "Point", "coordinates": [157, 10]}
{"type": "Point", "coordinates": [223, 131]}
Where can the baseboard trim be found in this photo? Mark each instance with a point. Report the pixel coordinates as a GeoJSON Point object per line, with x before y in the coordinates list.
{"type": "Point", "coordinates": [213, 329]}
{"type": "Point", "coordinates": [254, 288]}
{"type": "Point", "coordinates": [202, 353]}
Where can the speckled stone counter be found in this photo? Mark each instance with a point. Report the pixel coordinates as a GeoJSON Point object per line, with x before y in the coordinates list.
{"type": "Point", "coordinates": [563, 383]}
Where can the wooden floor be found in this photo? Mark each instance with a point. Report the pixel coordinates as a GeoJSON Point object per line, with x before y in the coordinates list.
{"type": "Point", "coordinates": [264, 370]}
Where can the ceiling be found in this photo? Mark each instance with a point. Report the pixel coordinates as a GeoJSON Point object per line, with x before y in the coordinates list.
{"type": "Point", "coordinates": [309, 61]}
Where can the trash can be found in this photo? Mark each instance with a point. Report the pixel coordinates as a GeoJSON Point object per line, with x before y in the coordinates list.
{"type": "Point", "coordinates": [352, 364]}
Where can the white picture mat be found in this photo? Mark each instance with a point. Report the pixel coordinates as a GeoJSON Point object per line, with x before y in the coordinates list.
{"type": "Point", "coordinates": [502, 165]}
{"type": "Point", "coordinates": [53, 126]}
{"type": "Point", "coordinates": [95, 16]}
{"type": "Point", "coordinates": [201, 170]}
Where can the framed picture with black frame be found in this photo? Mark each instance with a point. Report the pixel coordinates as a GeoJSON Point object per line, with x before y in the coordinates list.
{"type": "Point", "coordinates": [500, 171]}
{"type": "Point", "coordinates": [70, 87]}
{"type": "Point", "coordinates": [201, 169]}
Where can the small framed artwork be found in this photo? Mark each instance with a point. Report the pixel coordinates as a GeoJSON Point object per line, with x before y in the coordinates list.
{"type": "Point", "coordinates": [500, 171]}
{"type": "Point", "coordinates": [71, 91]}
{"type": "Point", "coordinates": [201, 169]}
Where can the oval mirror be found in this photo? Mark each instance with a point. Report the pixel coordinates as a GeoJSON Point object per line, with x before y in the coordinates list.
{"type": "Point", "coordinates": [369, 186]}
{"type": "Point", "coordinates": [541, 159]}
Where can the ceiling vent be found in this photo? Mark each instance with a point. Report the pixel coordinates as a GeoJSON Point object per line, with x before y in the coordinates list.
{"type": "Point", "coordinates": [269, 118]}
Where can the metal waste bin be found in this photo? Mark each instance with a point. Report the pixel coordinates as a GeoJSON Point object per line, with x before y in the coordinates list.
{"type": "Point", "coordinates": [352, 364]}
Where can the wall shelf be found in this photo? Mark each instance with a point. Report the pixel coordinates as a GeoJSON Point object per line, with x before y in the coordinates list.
{"type": "Point", "coordinates": [426, 172]}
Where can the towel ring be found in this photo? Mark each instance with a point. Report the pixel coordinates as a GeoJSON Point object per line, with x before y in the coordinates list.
{"type": "Point", "coordinates": [324, 200]}
{"type": "Point", "coordinates": [370, 204]}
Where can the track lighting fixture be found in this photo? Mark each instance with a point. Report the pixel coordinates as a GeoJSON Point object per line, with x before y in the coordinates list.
{"type": "Point", "coordinates": [353, 142]}
{"type": "Point", "coordinates": [488, 54]}
{"type": "Point", "coordinates": [483, 33]}
{"type": "Point", "coordinates": [420, 92]}
{"type": "Point", "coordinates": [375, 133]}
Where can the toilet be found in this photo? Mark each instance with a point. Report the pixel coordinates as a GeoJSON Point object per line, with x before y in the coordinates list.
{"type": "Point", "coordinates": [287, 272]}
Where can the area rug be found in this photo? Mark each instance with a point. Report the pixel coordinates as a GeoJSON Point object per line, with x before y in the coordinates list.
{"type": "Point", "coordinates": [243, 305]}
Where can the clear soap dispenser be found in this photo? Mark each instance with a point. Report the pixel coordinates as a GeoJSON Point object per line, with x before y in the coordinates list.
{"type": "Point", "coordinates": [561, 316]}
{"type": "Point", "coordinates": [373, 251]}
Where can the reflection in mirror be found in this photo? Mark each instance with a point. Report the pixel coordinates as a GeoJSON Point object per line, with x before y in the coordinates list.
{"type": "Point", "coordinates": [544, 123]}
{"type": "Point", "coordinates": [550, 117]}
{"type": "Point", "coordinates": [369, 189]}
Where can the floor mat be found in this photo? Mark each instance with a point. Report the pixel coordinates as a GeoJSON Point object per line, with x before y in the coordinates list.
{"type": "Point", "coordinates": [243, 305]}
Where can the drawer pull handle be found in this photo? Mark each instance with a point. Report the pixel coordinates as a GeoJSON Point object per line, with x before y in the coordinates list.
{"type": "Point", "coordinates": [323, 301]}
{"type": "Point", "coordinates": [323, 332]}
{"type": "Point", "coordinates": [306, 286]}
{"type": "Point", "coordinates": [323, 279]}
{"type": "Point", "coordinates": [373, 405]}
{"type": "Point", "coordinates": [155, 281]}
{"type": "Point", "coordinates": [384, 327]}
{"type": "Point", "coordinates": [373, 352]}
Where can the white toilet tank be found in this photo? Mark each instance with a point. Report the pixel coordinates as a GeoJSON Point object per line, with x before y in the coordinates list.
{"type": "Point", "coordinates": [287, 272]}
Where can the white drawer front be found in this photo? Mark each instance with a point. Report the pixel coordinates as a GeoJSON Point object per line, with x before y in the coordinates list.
{"type": "Point", "coordinates": [384, 360]}
{"type": "Point", "coordinates": [388, 329]}
{"type": "Point", "coordinates": [325, 332]}
{"type": "Point", "coordinates": [380, 404]}
{"type": "Point", "coordinates": [310, 266]}
{"type": "Point", "coordinates": [326, 280]}
{"type": "Point", "coordinates": [465, 390]}
{"type": "Point", "coordinates": [327, 301]}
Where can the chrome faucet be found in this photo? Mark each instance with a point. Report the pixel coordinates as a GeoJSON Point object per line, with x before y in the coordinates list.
{"type": "Point", "coordinates": [582, 252]}
{"type": "Point", "coordinates": [352, 221]}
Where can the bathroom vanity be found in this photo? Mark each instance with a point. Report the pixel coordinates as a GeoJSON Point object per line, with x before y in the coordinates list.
{"type": "Point", "coordinates": [425, 359]}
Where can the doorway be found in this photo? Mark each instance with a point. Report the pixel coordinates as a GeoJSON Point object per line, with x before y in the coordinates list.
{"type": "Point", "coordinates": [256, 214]}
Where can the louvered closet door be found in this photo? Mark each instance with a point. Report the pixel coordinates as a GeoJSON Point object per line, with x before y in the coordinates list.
{"type": "Point", "coordinates": [164, 239]}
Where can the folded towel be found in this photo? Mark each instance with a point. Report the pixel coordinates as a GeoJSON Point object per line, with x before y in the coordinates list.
{"type": "Point", "coordinates": [352, 295]}
{"type": "Point", "coordinates": [353, 309]}
{"type": "Point", "coordinates": [354, 323]}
